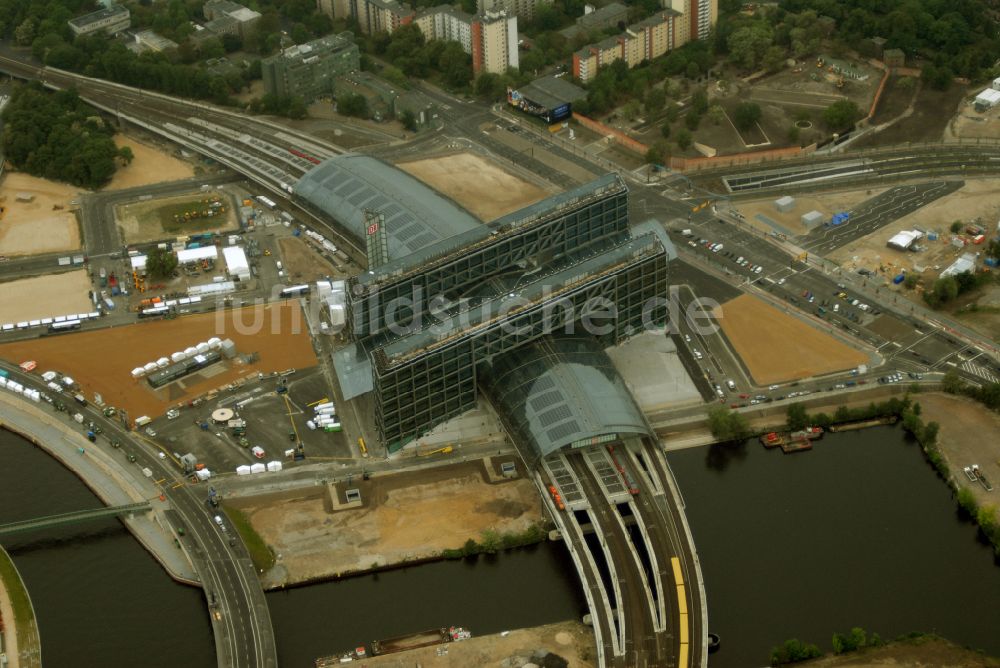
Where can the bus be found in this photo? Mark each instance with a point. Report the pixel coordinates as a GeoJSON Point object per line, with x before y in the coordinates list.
{"type": "Point", "coordinates": [64, 326]}
{"type": "Point", "coordinates": [266, 201]}
{"type": "Point", "coordinates": [153, 312]}
{"type": "Point", "coordinates": [294, 291]}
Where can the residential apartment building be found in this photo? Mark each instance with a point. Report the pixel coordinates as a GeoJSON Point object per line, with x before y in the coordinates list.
{"type": "Point", "coordinates": [309, 70]}
{"type": "Point", "coordinates": [494, 42]}
{"type": "Point", "coordinates": [376, 16]}
{"type": "Point", "coordinates": [522, 9]}
{"type": "Point", "coordinates": [111, 20]}
{"type": "Point", "coordinates": [446, 23]}
{"type": "Point", "coordinates": [490, 37]}
{"type": "Point", "coordinates": [650, 38]}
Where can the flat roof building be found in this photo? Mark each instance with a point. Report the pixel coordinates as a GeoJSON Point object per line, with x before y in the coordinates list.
{"type": "Point", "coordinates": [522, 9]}
{"type": "Point", "coordinates": [243, 18]}
{"type": "Point", "coordinates": [550, 98]}
{"type": "Point", "coordinates": [147, 40]}
{"type": "Point", "coordinates": [112, 19]}
{"type": "Point", "coordinates": [309, 70]}
{"type": "Point", "coordinates": [608, 16]}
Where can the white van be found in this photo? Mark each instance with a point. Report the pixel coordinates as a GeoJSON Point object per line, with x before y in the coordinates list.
{"type": "Point", "coordinates": [731, 385]}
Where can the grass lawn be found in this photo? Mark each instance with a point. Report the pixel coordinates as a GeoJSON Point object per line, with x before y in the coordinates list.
{"type": "Point", "coordinates": [260, 553]}
{"type": "Point", "coordinates": [164, 215]}
{"type": "Point", "coordinates": [24, 616]}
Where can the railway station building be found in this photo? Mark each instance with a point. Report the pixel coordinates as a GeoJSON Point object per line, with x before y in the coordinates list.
{"type": "Point", "coordinates": [453, 297]}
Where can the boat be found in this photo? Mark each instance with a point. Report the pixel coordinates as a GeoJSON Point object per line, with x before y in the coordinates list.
{"type": "Point", "coordinates": [970, 474]}
{"type": "Point", "coordinates": [812, 433]}
{"type": "Point", "coordinates": [357, 654]}
{"type": "Point", "coordinates": [421, 639]}
{"type": "Point", "coordinates": [798, 445]}
{"type": "Point", "coordinates": [772, 440]}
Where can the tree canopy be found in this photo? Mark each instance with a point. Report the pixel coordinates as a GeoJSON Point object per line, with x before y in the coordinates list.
{"type": "Point", "coordinates": [727, 425]}
{"type": "Point", "coordinates": [841, 115]}
{"type": "Point", "coordinates": [57, 136]}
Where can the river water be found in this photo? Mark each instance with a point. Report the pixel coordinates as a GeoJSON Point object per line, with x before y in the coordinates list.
{"type": "Point", "coordinates": [857, 532]}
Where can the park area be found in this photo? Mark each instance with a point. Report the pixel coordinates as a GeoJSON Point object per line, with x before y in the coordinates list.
{"type": "Point", "coordinates": [475, 183]}
{"type": "Point", "coordinates": [36, 216]}
{"type": "Point", "coordinates": [777, 347]}
{"type": "Point", "coordinates": [48, 296]}
{"type": "Point", "coordinates": [402, 517]}
{"type": "Point", "coordinates": [102, 360]}
{"type": "Point", "coordinates": [193, 213]}
{"type": "Point", "coordinates": [149, 165]}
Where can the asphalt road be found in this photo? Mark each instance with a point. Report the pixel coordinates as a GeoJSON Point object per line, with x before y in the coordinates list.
{"type": "Point", "coordinates": [877, 212]}
{"type": "Point", "coordinates": [240, 618]}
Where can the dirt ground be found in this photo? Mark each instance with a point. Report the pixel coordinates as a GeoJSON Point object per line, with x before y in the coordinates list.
{"type": "Point", "coordinates": [777, 347]}
{"type": "Point", "coordinates": [44, 225]}
{"type": "Point", "coordinates": [791, 222]}
{"type": "Point", "coordinates": [963, 424]}
{"type": "Point", "coordinates": [932, 114]}
{"type": "Point", "coordinates": [302, 263]}
{"type": "Point", "coordinates": [895, 99]}
{"type": "Point", "coordinates": [404, 516]}
{"type": "Point", "coordinates": [102, 361]}
{"type": "Point", "coordinates": [971, 124]}
{"type": "Point", "coordinates": [978, 200]}
{"type": "Point", "coordinates": [572, 641]}
{"type": "Point", "coordinates": [479, 185]}
{"type": "Point", "coordinates": [919, 653]}
{"type": "Point", "coordinates": [143, 221]}
{"type": "Point", "coordinates": [150, 165]}
{"type": "Point", "coordinates": [45, 297]}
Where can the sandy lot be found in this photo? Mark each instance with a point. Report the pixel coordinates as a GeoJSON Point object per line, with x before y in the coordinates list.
{"type": "Point", "coordinates": [102, 361]}
{"type": "Point", "coordinates": [976, 200]}
{"type": "Point", "coordinates": [150, 165]}
{"type": "Point", "coordinates": [777, 347]}
{"type": "Point", "coordinates": [478, 184]}
{"type": "Point", "coordinates": [963, 423]}
{"type": "Point", "coordinates": [827, 204]}
{"type": "Point", "coordinates": [302, 263]}
{"type": "Point", "coordinates": [45, 297]}
{"type": "Point", "coordinates": [44, 225]}
{"type": "Point", "coordinates": [141, 221]}
{"type": "Point", "coordinates": [572, 641]}
{"type": "Point", "coordinates": [405, 516]}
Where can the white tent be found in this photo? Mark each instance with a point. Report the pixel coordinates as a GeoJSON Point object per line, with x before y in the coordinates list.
{"type": "Point", "coordinates": [178, 357]}
{"type": "Point", "coordinates": [243, 470]}
{"type": "Point", "coordinates": [202, 347]}
{"type": "Point", "coordinates": [163, 362]}
{"type": "Point", "coordinates": [274, 467]}
{"type": "Point", "coordinates": [150, 367]}
{"type": "Point", "coordinates": [138, 372]}
{"type": "Point", "coordinates": [195, 254]}
{"type": "Point", "coordinates": [190, 351]}
{"type": "Point", "coordinates": [236, 262]}
{"type": "Point", "coordinates": [258, 468]}
{"type": "Point", "coordinates": [138, 262]}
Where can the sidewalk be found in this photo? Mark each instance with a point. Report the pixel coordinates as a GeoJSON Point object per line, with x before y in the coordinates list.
{"type": "Point", "coordinates": [113, 480]}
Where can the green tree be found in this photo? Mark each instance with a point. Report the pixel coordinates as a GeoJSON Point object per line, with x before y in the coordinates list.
{"type": "Point", "coordinates": [160, 263]}
{"type": "Point", "coordinates": [125, 155]}
{"type": "Point", "coordinates": [956, 227]}
{"type": "Point", "coordinates": [716, 114]}
{"type": "Point", "coordinates": [699, 101]}
{"type": "Point", "coordinates": [395, 76]}
{"type": "Point", "coordinates": [798, 418]}
{"type": "Point", "coordinates": [353, 104]}
{"type": "Point", "coordinates": [683, 139]}
{"type": "Point", "coordinates": [746, 115]}
{"type": "Point", "coordinates": [792, 651]}
{"type": "Point", "coordinates": [692, 120]}
{"type": "Point", "coordinates": [841, 115]}
{"type": "Point", "coordinates": [794, 134]}
{"type": "Point", "coordinates": [665, 130]}
{"type": "Point", "coordinates": [408, 120]}
{"type": "Point", "coordinates": [25, 32]}
{"type": "Point", "coordinates": [774, 58]}
{"type": "Point", "coordinates": [748, 44]}
{"type": "Point", "coordinates": [727, 425]}
{"type": "Point", "coordinates": [655, 99]}
{"type": "Point", "coordinates": [911, 281]}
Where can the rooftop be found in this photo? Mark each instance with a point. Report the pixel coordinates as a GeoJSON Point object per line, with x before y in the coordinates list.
{"type": "Point", "coordinates": [99, 15]}
{"type": "Point", "coordinates": [415, 215]}
{"type": "Point", "coordinates": [551, 92]}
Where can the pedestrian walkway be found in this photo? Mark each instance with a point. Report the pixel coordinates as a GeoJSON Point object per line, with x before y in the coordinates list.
{"type": "Point", "coordinates": [114, 481]}
{"type": "Point", "coordinates": [980, 371]}
{"type": "Point", "coordinates": [19, 642]}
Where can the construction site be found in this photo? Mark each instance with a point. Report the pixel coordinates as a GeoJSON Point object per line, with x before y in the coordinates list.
{"type": "Point", "coordinates": [36, 216]}
{"type": "Point", "coordinates": [158, 219]}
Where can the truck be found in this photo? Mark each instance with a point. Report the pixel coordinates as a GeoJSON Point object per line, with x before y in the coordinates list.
{"type": "Point", "coordinates": [64, 261]}
{"type": "Point", "coordinates": [687, 233]}
{"type": "Point", "coordinates": [78, 417]}
{"type": "Point", "coordinates": [80, 399]}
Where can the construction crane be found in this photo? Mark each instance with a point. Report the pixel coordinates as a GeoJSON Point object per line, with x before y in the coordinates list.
{"type": "Point", "coordinates": [445, 450]}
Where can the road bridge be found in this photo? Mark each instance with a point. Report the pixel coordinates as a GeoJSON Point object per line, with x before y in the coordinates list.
{"type": "Point", "coordinates": [241, 622]}
{"type": "Point", "coordinates": [73, 518]}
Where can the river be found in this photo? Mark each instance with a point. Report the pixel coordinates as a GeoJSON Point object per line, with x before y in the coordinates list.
{"type": "Point", "coordinates": [857, 532]}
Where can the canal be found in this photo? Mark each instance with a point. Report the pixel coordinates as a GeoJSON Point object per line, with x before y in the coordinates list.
{"type": "Point", "coordinates": [857, 532]}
